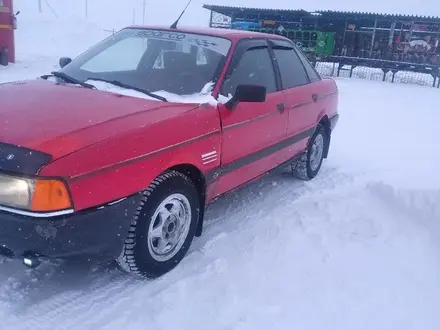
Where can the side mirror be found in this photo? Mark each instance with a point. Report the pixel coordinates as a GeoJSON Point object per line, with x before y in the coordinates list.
{"type": "Point", "coordinates": [64, 61]}
{"type": "Point", "coordinates": [247, 93]}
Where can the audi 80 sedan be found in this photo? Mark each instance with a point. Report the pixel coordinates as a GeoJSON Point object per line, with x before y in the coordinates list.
{"type": "Point", "coordinates": [116, 155]}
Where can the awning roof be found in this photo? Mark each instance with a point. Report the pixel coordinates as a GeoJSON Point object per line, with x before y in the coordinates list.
{"type": "Point", "coordinates": [277, 14]}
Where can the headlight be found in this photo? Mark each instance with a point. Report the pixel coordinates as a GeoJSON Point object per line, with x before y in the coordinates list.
{"type": "Point", "coordinates": [38, 195]}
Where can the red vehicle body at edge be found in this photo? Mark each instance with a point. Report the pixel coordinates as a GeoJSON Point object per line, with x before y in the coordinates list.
{"type": "Point", "coordinates": [107, 148]}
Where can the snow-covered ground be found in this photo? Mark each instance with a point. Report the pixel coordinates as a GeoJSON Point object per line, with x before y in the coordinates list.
{"type": "Point", "coordinates": [358, 248]}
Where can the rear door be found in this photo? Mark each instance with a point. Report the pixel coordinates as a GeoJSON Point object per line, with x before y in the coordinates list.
{"type": "Point", "coordinates": [300, 93]}
{"type": "Point", "coordinates": [251, 131]}
{"type": "Point", "coordinates": [320, 91]}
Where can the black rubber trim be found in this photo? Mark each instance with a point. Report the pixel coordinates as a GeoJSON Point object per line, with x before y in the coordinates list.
{"type": "Point", "coordinates": [21, 160]}
{"type": "Point", "coordinates": [334, 121]}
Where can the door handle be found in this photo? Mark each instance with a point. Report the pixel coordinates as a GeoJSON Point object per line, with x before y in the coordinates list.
{"type": "Point", "coordinates": [315, 97]}
{"type": "Point", "coordinates": [281, 106]}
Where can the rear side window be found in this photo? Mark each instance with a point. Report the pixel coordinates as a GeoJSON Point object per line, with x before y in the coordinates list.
{"type": "Point", "coordinates": [313, 75]}
{"type": "Point", "coordinates": [292, 70]}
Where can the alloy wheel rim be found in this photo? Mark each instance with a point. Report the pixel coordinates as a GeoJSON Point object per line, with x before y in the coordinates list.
{"type": "Point", "coordinates": [169, 227]}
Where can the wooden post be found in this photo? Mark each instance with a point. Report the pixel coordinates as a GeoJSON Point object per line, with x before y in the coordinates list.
{"type": "Point", "coordinates": [144, 6]}
{"type": "Point", "coordinates": [411, 30]}
{"type": "Point", "coordinates": [393, 27]}
{"type": "Point", "coordinates": [373, 37]}
{"type": "Point", "coordinates": [343, 37]}
{"type": "Point", "coordinates": [40, 6]}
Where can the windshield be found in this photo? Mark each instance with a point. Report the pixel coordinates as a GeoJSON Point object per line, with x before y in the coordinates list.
{"type": "Point", "coordinates": [154, 60]}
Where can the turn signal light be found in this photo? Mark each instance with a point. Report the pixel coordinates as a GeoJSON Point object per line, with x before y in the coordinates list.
{"type": "Point", "coordinates": [49, 196]}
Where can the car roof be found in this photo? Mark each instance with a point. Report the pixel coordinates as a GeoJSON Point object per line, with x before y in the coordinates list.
{"type": "Point", "coordinates": [215, 32]}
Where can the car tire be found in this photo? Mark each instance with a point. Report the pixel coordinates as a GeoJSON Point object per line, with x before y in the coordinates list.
{"type": "Point", "coordinates": [165, 219]}
{"type": "Point", "coordinates": [308, 166]}
{"type": "Point", "coordinates": [4, 57]}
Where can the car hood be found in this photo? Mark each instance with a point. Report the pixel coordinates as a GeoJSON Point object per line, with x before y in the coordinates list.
{"type": "Point", "coordinates": [59, 119]}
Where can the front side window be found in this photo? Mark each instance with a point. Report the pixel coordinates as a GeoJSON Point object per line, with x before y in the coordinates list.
{"type": "Point", "coordinates": [154, 61]}
{"type": "Point", "coordinates": [254, 68]}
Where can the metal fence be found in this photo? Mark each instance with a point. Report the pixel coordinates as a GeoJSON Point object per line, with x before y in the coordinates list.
{"type": "Point", "coordinates": [328, 69]}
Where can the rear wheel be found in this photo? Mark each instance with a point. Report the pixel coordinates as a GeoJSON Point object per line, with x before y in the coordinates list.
{"type": "Point", "coordinates": [308, 166]}
{"type": "Point", "coordinates": [163, 228]}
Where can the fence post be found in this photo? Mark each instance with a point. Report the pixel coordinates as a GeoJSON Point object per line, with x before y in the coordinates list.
{"type": "Point", "coordinates": [144, 5]}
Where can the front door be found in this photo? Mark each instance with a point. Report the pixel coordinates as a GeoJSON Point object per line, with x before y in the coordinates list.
{"type": "Point", "coordinates": [251, 131]}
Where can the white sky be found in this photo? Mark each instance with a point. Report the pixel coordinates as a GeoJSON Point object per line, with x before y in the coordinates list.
{"type": "Point", "coordinates": [164, 12]}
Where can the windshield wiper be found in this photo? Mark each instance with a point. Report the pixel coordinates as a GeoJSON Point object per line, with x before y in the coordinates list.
{"type": "Point", "coordinates": [70, 79]}
{"type": "Point", "coordinates": [140, 90]}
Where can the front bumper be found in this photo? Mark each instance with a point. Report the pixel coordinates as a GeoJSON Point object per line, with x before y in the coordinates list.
{"type": "Point", "coordinates": [96, 234]}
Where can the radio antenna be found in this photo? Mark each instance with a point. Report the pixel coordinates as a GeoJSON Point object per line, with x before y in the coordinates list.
{"type": "Point", "coordinates": [174, 25]}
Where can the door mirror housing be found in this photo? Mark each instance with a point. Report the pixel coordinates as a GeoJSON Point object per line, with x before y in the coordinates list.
{"type": "Point", "coordinates": [247, 93]}
{"type": "Point", "coordinates": [64, 61]}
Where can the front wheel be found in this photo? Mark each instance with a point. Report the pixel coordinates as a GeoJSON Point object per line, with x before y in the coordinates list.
{"type": "Point", "coordinates": [308, 166]}
{"type": "Point", "coordinates": [163, 228]}
{"type": "Point", "coordinates": [4, 58]}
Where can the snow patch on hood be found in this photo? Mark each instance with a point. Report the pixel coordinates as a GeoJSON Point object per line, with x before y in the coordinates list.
{"type": "Point", "coordinates": [203, 97]}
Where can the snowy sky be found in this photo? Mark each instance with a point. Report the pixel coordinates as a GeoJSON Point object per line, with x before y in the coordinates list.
{"type": "Point", "coordinates": [165, 11]}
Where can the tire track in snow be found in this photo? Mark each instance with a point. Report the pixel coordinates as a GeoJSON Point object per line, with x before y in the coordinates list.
{"type": "Point", "coordinates": [56, 301]}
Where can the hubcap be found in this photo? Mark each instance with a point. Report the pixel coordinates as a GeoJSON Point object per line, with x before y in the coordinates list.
{"type": "Point", "coordinates": [169, 227]}
{"type": "Point", "coordinates": [317, 152]}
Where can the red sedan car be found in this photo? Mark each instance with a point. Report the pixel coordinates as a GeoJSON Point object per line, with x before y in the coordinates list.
{"type": "Point", "coordinates": [115, 156]}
